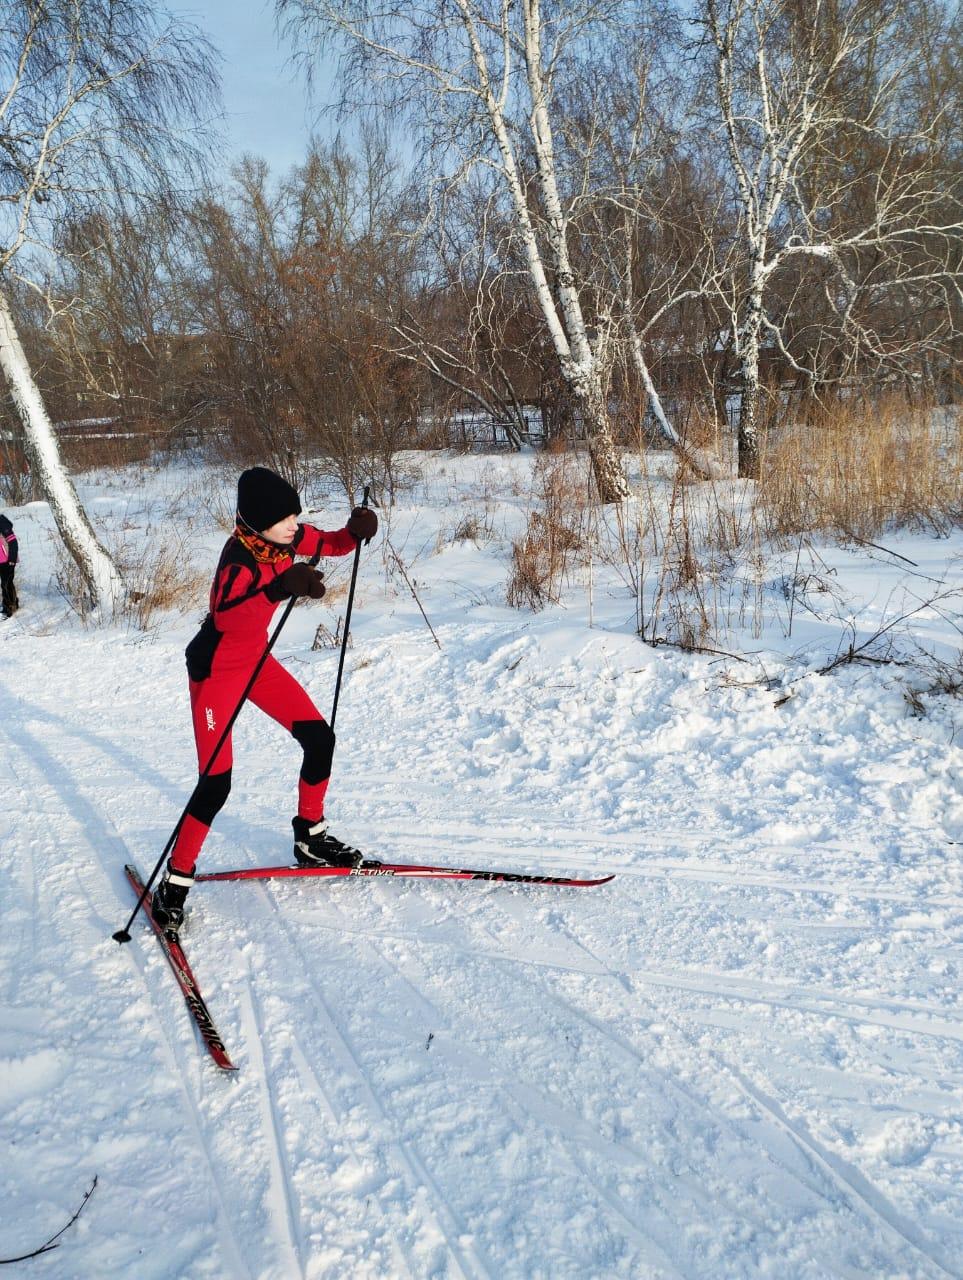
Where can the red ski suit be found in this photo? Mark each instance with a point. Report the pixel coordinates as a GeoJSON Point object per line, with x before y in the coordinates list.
{"type": "Point", "coordinates": [220, 660]}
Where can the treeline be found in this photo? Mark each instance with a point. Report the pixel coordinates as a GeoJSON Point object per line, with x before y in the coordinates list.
{"type": "Point", "coordinates": [635, 222]}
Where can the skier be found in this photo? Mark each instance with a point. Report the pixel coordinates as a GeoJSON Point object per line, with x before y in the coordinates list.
{"type": "Point", "coordinates": [9, 552]}
{"type": "Point", "coordinates": [256, 571]}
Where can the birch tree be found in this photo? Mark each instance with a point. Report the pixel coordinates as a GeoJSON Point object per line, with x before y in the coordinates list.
{"type": "Point", "coordinates": [832, 172]}
{"type": "Point", "coordinates": [476, 79]}
{"type": "Point", "coordinates": [95, 100]}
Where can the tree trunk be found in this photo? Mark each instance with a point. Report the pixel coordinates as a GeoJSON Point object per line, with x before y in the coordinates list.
{"type": "Point", "coordinates": [610, 478]}
{"type": "Point", "coordinates": [749, 421]}
{"type": "Point", "coordinates": [567, 330]}
{"type": "Point", "coordinates": [749, 407]}
{"type": "Point", "coordinates": [100, 574]}
{"type": "Point", "coordinates": [607, 467]}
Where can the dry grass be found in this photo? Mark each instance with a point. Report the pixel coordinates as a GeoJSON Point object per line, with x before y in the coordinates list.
{"type": "Point", "coordinates": [159, 580]}
{"type": "Point", "coordinates": [536, 569]}
{"type": "Point", "coordinates": [325, 638]}
{"type": "Point", "coordinates": [860, 469]}
{"type": "Point", "coordinates": [70, 582]}
{"type": "Point", "coordinates": [475, 525]}
{"type": "Point", "coordinates": [156, 575]}
{"type": "Point", "coordinates": [695, 555]}
{"type": "Point", "coordinates": [540, 558]}
{"type": "Point", "coordinates": [682, 548]}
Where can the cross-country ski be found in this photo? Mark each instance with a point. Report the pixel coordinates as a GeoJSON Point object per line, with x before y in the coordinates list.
{"type": "Point", "coordinates": [185, 979]}
{"type": "Point", "coordinates": [400, 870]}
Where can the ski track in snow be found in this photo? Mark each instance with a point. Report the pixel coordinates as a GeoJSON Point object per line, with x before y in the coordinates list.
{"type": "Point", "coordinates": [397, 1157]}
{"type": "Point", "coordinates": [183, 1069]}
{"type": "Point", "coordinates": [855, 1189]}
{"type": "Point", "coordinates": [741, 1058]}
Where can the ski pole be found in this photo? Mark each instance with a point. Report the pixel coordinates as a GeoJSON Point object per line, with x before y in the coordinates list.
{"type": "Point", "coordinates": [347, 616]}
{"type": "Point", "coordinates": [123, 935]}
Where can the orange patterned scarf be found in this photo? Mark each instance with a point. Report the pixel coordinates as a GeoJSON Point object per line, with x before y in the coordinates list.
{"type": "Point", "coordinates": [263, 551]}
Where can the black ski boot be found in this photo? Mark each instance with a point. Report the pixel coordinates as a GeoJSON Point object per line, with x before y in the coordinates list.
{"type": "Point", "coordinates": [167, 904]}
{"type": "Point", "coordinates": [314, 846]}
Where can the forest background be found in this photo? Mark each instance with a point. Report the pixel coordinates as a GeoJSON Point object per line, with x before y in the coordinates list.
{"type": "Point", "coordinates": [729, 229]}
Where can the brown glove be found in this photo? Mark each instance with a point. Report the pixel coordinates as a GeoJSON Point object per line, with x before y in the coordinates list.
{"type": "Point", "coordinates": [363, 524]}
{"type": "Point", "coordinates": [300, 580]}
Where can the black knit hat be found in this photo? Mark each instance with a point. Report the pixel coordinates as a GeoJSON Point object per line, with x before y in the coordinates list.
{"type": "Point", "coordinates": [264, 498]}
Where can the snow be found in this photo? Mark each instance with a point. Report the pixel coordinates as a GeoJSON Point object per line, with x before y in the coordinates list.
{"type": "Point", "coordinates": [740, 1058]}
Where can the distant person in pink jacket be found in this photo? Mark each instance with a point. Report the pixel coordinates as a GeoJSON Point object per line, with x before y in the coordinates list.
{"type": "Point", "coordinates": [9, 553]}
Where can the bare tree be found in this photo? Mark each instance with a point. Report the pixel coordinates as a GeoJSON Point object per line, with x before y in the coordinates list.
{"type": "Point", "coordinates": [128, 280]}
{"type": "Point", "coordinates": [474, 332]}
{"type": "Point", "coordinates": [301, 283]}
{"type": "Point", "coordinates": [833, 174]}
{"type": "Point", "coordinates": [92, 101]}
{"type": "Point", "coordinates": [650, 217]}
{"type": "Point", "coordinates": [477, 81]}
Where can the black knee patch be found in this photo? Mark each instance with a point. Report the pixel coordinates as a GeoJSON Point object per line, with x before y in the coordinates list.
{"type": "Point", "coordinates": [317, 739]}
{"type": "Point", "coordinates": [209, 797]}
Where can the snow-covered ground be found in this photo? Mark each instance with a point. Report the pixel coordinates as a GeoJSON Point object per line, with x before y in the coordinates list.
{"type": "Point", "coordinates": [740, 1058]}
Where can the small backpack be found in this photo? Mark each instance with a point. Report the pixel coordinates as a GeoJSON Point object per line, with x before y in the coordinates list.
{"type": "Point", "coordinates": [4, 550]}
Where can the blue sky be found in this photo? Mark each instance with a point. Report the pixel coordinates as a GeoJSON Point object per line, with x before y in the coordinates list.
{"type": "Point", "coordinates": [265, 100]}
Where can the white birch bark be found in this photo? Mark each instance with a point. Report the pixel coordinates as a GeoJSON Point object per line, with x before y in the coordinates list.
{"type": "Point", "coordinates": [569, 333]}
{"type": "Point", "coordinates": [749, 340]}
{"type": "Point", "coordinates": [724, 32]}
{"type": "Point", "coordinates": [102, 579]}
{"type": "Point", "coordinates": [701, 461]}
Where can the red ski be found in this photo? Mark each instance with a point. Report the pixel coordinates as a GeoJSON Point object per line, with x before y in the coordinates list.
{"type": "Point", "coordinates": [399, 869]}
{"type": "Point", "coordinates": [185, 979]}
